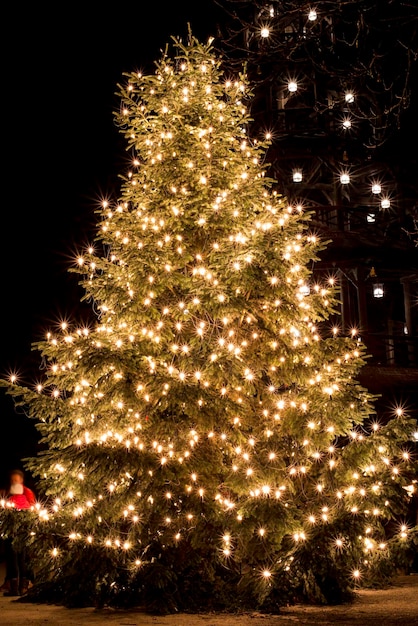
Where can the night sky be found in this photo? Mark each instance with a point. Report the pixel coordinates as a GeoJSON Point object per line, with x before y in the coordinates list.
{"type": "Point", "coordinates": [63, 155]}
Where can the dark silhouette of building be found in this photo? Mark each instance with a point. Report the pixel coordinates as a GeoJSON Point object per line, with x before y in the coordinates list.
{"type": "Point", "coordinates": [335, 85]}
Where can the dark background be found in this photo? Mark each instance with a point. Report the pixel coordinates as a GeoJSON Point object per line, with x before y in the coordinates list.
{"type": "Point", "coordinates": [62, 154]}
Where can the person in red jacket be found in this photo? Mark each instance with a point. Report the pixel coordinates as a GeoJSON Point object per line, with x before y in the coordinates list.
{"type": "Point", "coordinates": [18, 574]}
{"type": "Point", "coordinates": [21, 496]}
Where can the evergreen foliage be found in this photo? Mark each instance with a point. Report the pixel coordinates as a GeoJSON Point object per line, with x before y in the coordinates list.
{"type": "Point", "coordinates": [206, 444]}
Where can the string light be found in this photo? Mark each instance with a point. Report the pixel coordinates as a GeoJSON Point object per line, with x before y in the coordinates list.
{"type": "Point", "coordinates": [207, 384]}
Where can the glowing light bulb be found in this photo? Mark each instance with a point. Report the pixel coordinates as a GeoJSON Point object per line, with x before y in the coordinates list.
{"type": "Point", "coordinates": [292, 86]}
{"type": "Point", "coordinates": [265, 32]}
{"type": "Point", "coordinates": [344, 178]}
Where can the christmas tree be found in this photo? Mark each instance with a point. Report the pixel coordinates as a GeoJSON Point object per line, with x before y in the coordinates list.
{"type": "Point", "coordinates": [206, 442]}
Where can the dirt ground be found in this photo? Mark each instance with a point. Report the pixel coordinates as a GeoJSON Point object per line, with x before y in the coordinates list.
{"type": "Point", "coordinates": [395, 606]}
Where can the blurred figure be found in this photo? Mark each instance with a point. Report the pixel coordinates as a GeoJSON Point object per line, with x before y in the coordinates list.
{"type": "Point", "coordinates": [18, 574]}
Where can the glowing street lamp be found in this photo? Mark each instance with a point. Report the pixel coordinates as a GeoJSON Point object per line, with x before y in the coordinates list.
{"type": "Point", "coordinates": [297, 176]}
{"type": "Point", "coordinates": [378, 291]}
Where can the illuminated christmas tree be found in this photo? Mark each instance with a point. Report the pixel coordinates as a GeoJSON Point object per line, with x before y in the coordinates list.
{"type": "Point", "coordinates": [207, 444]}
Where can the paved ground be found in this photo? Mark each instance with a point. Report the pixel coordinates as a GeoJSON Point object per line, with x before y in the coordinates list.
{"type": "Point", "coordinates": [395, 606]}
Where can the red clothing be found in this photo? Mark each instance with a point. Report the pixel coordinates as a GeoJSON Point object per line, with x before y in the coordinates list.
{"type": "Point", "coordinates": [29, 495]}
{"type": "Point", "coordinates": [22, 500]}
{"type": "Point", "coordinates": [19, 500]}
